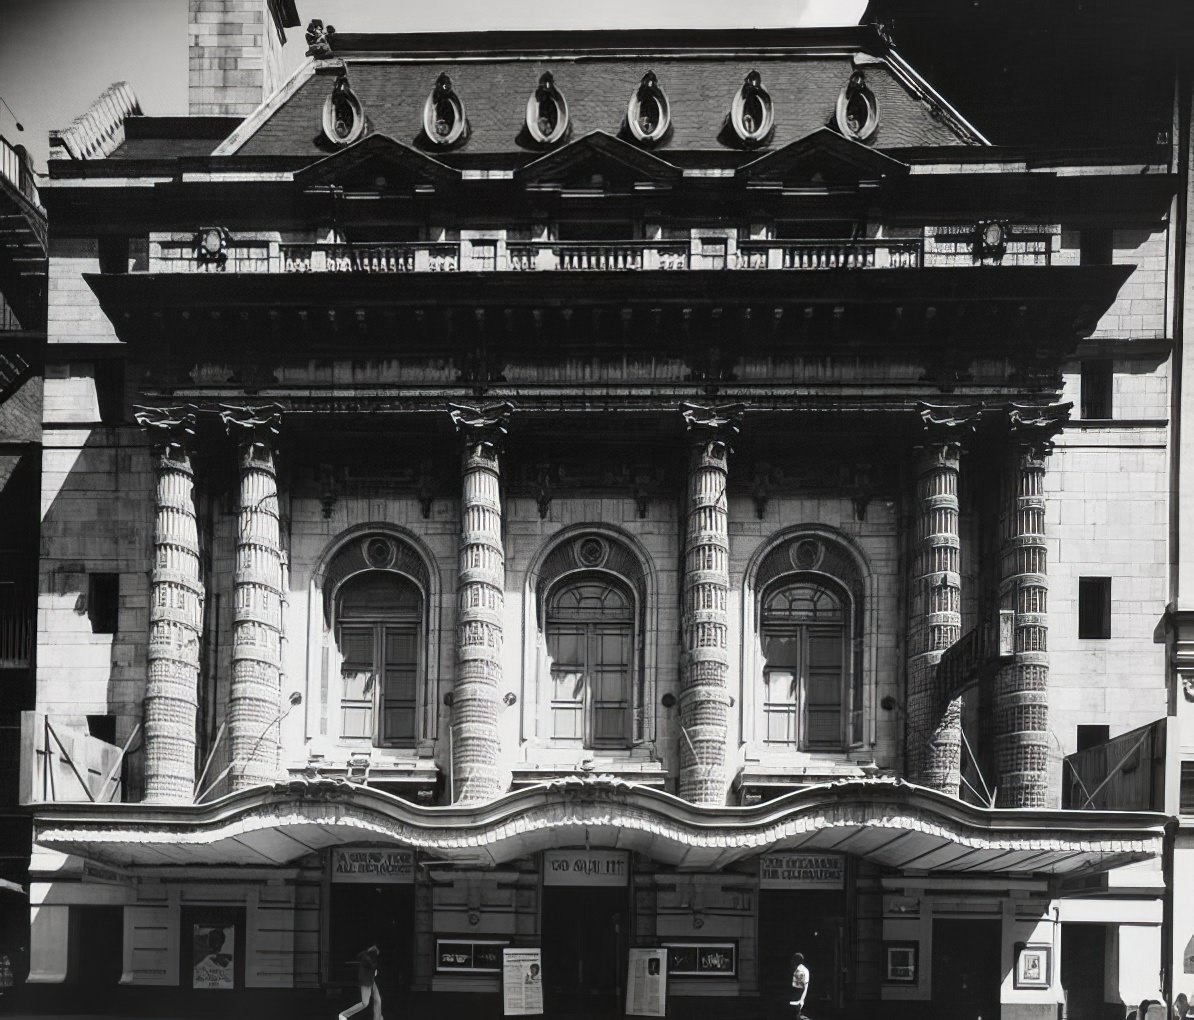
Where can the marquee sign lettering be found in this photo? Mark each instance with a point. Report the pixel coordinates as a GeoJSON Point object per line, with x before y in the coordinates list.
{"type": "Point", "coordinates": [373, 867]}
{"type": "Point", "coordinates": [585, 867]}
{"type": "Point", "coordinates": [802, 871]}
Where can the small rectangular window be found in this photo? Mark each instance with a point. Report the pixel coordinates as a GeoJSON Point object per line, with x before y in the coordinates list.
{"type": "Point", "coordinates": [1094, 247]}
{"type": "Point", "coordinates": [1094, 607]}
{"type": "Point", "coordinates": [1091, 735]}
{"type": "Point", "coordinates": [102, 727]}
{"type": "Point", "coordinates": [1098, 378]}
{"type": "Point", "coordinates": [103, 602]}
{"type": "Point", "coordinates": [484, 255]}
{"type": "Point", "coordinates": [1186, 789]}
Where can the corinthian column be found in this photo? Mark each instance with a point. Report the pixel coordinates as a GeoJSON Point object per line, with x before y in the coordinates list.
{"type": "Point", "coordinates": [175, 613]}
{"type": "Point", "coordinates": [704, 695]}
{"type": "Point", "coordinates": [481, 591]}
{"type": "Point", "coordinates": [254, 702]}
{"type": "Point", "coordinates": [1021, 686]}
{"type": "Point", "coordinates": [934, 736]}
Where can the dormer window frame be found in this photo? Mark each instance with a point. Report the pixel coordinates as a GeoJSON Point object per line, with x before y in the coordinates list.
{"type": "Point", "coordinates": [854, 92]}
{"type": "Point", "coordinates": [443, 98]}
{"type": "Point", "coordinates": [547, 92]}
{"type": "Point", "coordinates": [752, 129]}
{"type": "Point", "coordinates": [343, 103]}
{"type": "Point", "coordinates": [648, 90]}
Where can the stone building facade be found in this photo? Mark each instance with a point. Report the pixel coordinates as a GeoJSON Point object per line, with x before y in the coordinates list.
{"type": "Point", "coordinates": [599, 493]}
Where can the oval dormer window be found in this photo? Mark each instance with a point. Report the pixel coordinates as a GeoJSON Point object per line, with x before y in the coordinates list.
{"type": "Point", "coordinates": [857, 110]}
{"type": "Point", "coordinates": [547, 112]}
{"type": "Point", "coordinates": [343, 115]}
{"type": "Point", "coordinates": [751, 114]}
{"type": "Point", "coordinates": [443, 114]}
{"type": "Point", "coordinates": [648, 114]}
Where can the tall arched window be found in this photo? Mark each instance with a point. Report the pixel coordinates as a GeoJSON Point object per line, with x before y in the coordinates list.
{"type": "Point", "coordinates": [804, 639]}
{"type": "Point", "coordinates": [804, 666]}
{"type": "Point", "coordinates": [379, 623]}
{"type": "Point", "coordinates": [589, 628]}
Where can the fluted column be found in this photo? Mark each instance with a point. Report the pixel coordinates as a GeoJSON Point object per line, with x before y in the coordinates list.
{"type": "Point", "coordinates": [1021, 686]}
{"type": "Point", "coordinates": [254, 702]}
{"type": "Point", "coordinates": [481, 586]}
{"type": "Point", "coordinates": [704, 694]}
{"type": "Point", "coordinates": [175, 613]}
{"type": "Point", "coordinates": [934, 735]}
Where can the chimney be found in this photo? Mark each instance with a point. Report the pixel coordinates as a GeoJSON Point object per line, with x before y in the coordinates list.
{"type": "Point", "coordinates": [236, 54]}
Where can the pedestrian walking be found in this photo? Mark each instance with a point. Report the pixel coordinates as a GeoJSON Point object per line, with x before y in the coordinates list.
{"type": "Point", "coordinates": [367, 980]}
{"type": "Point", "coordinates": [800, 979]}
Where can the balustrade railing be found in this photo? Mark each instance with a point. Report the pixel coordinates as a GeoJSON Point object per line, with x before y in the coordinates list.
{"type": "Point", "coordinates": [596, 256]}
{"type": "Point", "coordinates": [868, 254]}
{"type": "Point", "coordinates": [539, 256]}
{"type": "Point", "coordinates": [396, 257]}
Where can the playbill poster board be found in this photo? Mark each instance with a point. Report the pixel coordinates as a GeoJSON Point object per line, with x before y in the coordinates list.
{"type": "Point", "coordinates": [646, 982]}
{"type": "Point", "coordinates": [522, 982]}
{"type": "Point", "coordinates": [214, 949]}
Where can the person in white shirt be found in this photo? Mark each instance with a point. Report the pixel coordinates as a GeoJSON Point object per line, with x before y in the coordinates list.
{"type": "Point", "coordinates": [799, 983]}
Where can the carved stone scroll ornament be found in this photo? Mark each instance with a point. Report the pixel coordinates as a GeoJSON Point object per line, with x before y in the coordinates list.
{"type": "Point", "coordinates": [476, 745]}
{"type": "Point", "coordinates": [175, 613]}
{"type": "Point", "coordinates": [254, 704]}
{"type": "Point", "coordinates": [704, 694]}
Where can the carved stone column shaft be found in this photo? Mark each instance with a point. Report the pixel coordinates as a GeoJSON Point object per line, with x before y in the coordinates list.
{"type": "Point", "coordinates": [934, 726]}
{"type": "Point", "coordinates": [481, 585]}
{"type": "Point", "coordinates": [1021, 687]}
{"type": "Point", "coordinates": [254, 705]}
{"type": "Point", "coordinates": [175, 619]}
{"type": "Point", "coordinates": [704, 694]}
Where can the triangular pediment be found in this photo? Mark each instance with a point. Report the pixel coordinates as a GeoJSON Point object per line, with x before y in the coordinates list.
{"type": "Point", "coordinates": [597, 155]}
{"type": "Point", "coordinates": [822, 159]}
{"type": "Point", "coordinates": [377, 162]}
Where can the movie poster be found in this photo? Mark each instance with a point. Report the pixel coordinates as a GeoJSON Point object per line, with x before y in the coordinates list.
{"type": "Point", "coordinates": [646, 982]}
{"type": "Point", "coordinates": [522, 982]}
{"type": "Point", "coordinates": [213, 949]}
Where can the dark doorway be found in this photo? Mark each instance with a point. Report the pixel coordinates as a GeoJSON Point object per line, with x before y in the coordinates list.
{"type": "Point", "coordinates": [364, 915]}
{"type": "Point", "coordinates": [1084, 972]}
{"type": "Point", "coordinates": [96, 952]}
{"type": "Point", "coordinates": [966, 969]}
{"type": "Point", "coordinates": [802, 921]}
{"type": "Point", "coordinates": [584, 939]}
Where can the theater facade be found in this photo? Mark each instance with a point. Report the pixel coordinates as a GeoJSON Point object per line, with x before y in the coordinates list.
{"type": "Point", "coordinates": [592, 493]}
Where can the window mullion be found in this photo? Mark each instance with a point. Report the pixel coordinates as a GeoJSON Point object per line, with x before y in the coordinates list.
{"type": "Point", "coordinates": [587, 685]}
{"type": "Point", "coordinates": [379, 679]}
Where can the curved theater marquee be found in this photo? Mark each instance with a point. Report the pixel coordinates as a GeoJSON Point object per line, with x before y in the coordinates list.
{"type": "Point", "coordinates": [888, 822]}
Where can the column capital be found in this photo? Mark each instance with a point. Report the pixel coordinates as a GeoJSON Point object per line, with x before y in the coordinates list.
{"type": "Point", "coordinates": [170, 426]}
{"type": "Point", "coordinates": [266, 418]}
{"type": "Point", "coordinates": [1034, 426]}
{"type": "Point", "coordinates": [484, 426]}
{"type": "Point", "coordinates": [948, 422]}
{"type": "Point", "coordinates": [706, 423]}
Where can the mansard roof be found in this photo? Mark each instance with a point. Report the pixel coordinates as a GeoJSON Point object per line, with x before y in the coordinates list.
{"type": "Point", "coordinates": [700, 72]}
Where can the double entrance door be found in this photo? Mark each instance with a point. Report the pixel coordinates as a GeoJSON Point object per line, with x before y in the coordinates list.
{"type": "Point", "coordinates": [585, 932]}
